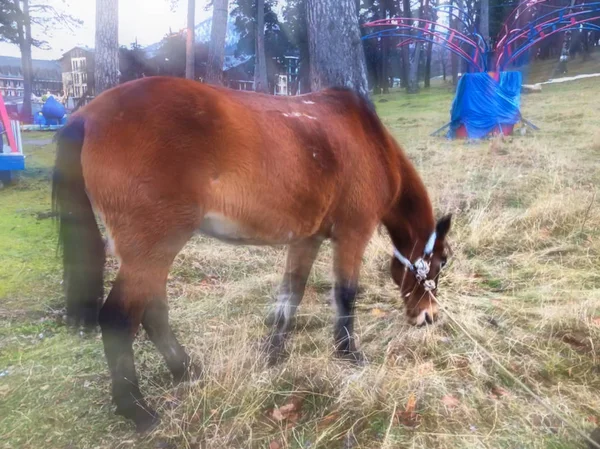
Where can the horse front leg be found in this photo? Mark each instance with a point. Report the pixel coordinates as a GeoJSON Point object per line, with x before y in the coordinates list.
{"type": "Point", "coordinates": [300, 259]}
{"type": "Point", "coordinates": [348, 251]}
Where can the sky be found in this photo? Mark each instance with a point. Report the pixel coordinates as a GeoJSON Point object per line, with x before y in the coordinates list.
{"type": "Point", "coordinates": [146, 20]}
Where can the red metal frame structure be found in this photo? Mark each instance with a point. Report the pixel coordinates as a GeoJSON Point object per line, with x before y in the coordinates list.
{"type": "Point", "coordinates": [453, 39]}
{"type": "Point", "coordinates": [7, 128]}
{"type": "Point", "coordinates": [512, 42]}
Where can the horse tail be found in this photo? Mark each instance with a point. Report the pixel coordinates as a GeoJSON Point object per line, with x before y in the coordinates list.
{"type": "Point", "coordinates": [83, 253]}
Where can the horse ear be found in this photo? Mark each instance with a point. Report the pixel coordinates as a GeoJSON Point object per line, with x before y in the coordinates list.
{"type": "Point", "coordinates": [443, 226]}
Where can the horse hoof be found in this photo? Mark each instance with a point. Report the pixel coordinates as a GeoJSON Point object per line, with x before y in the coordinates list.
{"type": "Point", "coordinates": [145, 418]}
{"type": "Point", "coordinates": [191, 374]}
{"type": "Point", "coordinates": [147, 424]}
{"type": "Point", "coordinates": [275, 357]}
{"type": "Point", "coordinates": [354, 357]}
{"type": "Point", "coordinates": [274, 350]}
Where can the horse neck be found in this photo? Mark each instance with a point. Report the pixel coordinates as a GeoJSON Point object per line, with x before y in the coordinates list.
{"type": "Point", "coordinates": [410, 221]}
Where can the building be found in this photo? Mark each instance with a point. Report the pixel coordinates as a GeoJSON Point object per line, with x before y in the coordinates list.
{"type": "Point", "coordinates": [287, 78]}
{"type": "Point", "coordinates": [46, 77]}
{"type": "Point", "coordinates": [238, 73]}
{"type": "Point", "coordinates": [78, 73]}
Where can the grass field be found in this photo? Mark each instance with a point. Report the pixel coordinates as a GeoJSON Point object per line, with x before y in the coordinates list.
{"type": "Point", "coordinates": [524, 281]}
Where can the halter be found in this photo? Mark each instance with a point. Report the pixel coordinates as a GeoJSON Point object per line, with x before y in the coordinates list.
{"type": "Point", "coordinates": [420, 269]}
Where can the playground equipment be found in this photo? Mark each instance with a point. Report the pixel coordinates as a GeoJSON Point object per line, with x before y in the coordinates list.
{"type": "Point", "coordinates": [488, 96]}
{"type": "Point", "coordinates": [11, 156]}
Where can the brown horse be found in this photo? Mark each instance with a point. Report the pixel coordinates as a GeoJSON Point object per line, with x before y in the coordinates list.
{"type": "Point", "coordinates": [159, 159]}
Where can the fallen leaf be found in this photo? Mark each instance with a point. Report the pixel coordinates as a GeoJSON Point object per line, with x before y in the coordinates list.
{"type": "Point", "coordinates": [290, 411]}
{"type": "Point", "coordinates": [45, 387]}
{"type": "Point", "coordinates": [499, 392]}
{"type": "Point", "coordinates": [425, 368]}
{"type": "Point", "coordinates": [328, 420]}
{"type": "Point", "coordinates": [593, 420]}
{"type": "Point", "coordinates": [4, 389]}
{"type": "Point", "coordinates": [409, 417]}
{"type": "Point", "coordinates": [277, 415]}
{"type": "Point", "coordinates": [274, 445]}
{"type": "Point", "coordinates": [292, 419]}
{"type": "Point", "coordinates": [450, 401]}
{"type": "Point", "coordinates": [578, 342]}
{"type": "Point", "coordinates": [596, 321]}
{"type": "Point", "coordinates": [379, 313]}
{"type": "Point", "coordinates": [549, 422]}
{"type": "Point", "coordinates": [461, 362]}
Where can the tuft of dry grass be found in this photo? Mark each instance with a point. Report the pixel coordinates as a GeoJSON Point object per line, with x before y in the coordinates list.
{"type": "Point", "coordinates": [524, 281]}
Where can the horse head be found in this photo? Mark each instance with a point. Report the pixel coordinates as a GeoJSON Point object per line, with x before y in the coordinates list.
{"type": "Point", "coordinates": [418, 277]}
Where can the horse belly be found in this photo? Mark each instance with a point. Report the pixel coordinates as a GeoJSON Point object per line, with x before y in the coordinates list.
{"type": "Point", "coordinates": [230, 230]}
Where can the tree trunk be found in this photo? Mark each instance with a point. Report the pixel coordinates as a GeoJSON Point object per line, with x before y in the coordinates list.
{"type": "Point", "coordinates": [443, 63]}
{"type": "Point", "coordinates": [564, 54]}
{"type": "Point", "coordinates": [484, 21]}
{"type": "Point", "coordinates": [216, 49]}
{"type": "Point", "coordinates": [404, 58]}
{"type": "Point", "coordinates": [106, 56]}
{"type": "Point", "coordinates": [413, 76]}
{"type": "Point", "coordinates": [585, 46]}
{"type": "Point", "coordinates": [406, 12]}
{"type": "Point", "coordinates": [26, 63]}
{"type": "Point", "coordinates": [261, 83]}
{"type": "Point", "coordinates": [384, 83]}
{"type": "Point", "coordinates": [427, 76]}
{"type": "Point", "coordinates": [454, 62]}
{"type": "Point", "coordinates": [304, 69]}
{"type": "Point", "coordinates": [336, 53]}
{"type": "Point", "coordinates": [427, 80]}
{"type": "Point", "coordinates": [385, 72]}
{"type": "Point", "coordinates": [189, 41]}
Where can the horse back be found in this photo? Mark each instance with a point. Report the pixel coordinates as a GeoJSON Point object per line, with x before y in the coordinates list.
{"type": "Point", "coordinates": [280, 167]}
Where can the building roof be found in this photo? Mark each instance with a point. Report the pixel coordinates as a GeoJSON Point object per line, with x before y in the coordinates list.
{"type": "Point", "coordinates": [81, 47]}
{"type": "Point", "coordinates": [10, 67]}
{"type": "Point", "coordinates": [231, 61]}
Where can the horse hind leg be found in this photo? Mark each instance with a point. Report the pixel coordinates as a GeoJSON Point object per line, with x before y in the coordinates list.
{"type": "Point", "coordinates": [119, 319]}
{"type": "Point", "coordinates": [156, 324]}
{"type": "Point", "coordinates": [139, 297]}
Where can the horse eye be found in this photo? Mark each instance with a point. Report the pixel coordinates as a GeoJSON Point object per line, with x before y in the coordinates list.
{"type": "Point", "coordinates": [443, 262]}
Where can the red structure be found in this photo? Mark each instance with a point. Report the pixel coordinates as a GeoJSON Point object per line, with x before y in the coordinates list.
{"type": "Point", "coordinates": [512, 42]}
{"type": "Point", "coordinates": [14, 159]}
{"type": "Point", "coordinates": [487, 98]}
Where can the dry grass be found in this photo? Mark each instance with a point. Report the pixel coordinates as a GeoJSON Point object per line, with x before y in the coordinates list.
{"type": "Point", "coordinates": [524, 281]}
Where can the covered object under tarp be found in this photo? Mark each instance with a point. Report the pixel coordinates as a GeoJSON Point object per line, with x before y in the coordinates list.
{"type": "Point", "coordinates": [485, 103]}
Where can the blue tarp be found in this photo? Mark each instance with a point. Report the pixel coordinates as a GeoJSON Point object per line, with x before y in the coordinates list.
{"type": "Point", "coordinates": [53, 111]}
{"type": "Point", "coordinates": [39, 119]}
{"type": "Point", "coordinates": [482, 104]}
